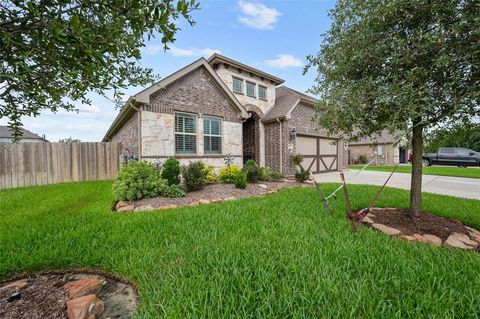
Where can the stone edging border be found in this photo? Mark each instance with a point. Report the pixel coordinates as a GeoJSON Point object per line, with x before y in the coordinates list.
{"type": "Point", "coordinates": [455, 240]}
{"type": "Point", "coordinates": [124, 207]}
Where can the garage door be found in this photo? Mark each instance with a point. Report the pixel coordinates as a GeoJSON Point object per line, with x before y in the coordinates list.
{"type": "Point", "coordinates": [320, 154]}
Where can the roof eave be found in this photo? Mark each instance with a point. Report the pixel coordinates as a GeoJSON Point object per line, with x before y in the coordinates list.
{"type": "Point", "coordinates": [224, 59]}
{"type": "Point", "coordinates": [120, 117]}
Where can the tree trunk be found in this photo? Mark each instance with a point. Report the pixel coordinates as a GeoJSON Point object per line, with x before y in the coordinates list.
{"type": "Point", "coordinates": [416, 186]}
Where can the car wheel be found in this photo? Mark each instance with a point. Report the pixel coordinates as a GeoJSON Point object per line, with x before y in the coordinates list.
{"type": "Point", "coordinates": [425, 162]}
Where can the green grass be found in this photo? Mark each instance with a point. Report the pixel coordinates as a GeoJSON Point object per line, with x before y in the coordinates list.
{"type": "Point", "coordinates": [469, 172]}
{"type": "Point", "coordinates": [274, 256]}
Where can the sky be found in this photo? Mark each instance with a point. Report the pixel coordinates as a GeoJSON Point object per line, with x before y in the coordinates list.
{"type": "Point", "coordinates": [273, 36]}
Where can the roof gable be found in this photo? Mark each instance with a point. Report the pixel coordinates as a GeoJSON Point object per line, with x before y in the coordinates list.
{"type": "Point", "coordinates": [144, 96]}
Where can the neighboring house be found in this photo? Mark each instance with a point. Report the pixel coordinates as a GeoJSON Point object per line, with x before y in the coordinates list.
{"type": "Point", "coordinates": [383, 148]}
{"type": "Point", "coordinates": [215, 107]}
{"type": "Point", "coordinates": [27, 136]}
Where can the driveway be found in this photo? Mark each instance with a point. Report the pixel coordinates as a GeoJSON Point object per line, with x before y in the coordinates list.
{"type": "Point", "coordinates": [445, 185]}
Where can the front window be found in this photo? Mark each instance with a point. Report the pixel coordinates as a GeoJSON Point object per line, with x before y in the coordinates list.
{"type": "Point", "coordinates": [237, 85]}
{"type": "Point", "coordinates": [262, 92]}
{"type": "Point", "coordinates": [251, 89]}
{"type": "Point", "coordinates": [212, 130]}
{"type": "Point", "coordinates": [185, 133]}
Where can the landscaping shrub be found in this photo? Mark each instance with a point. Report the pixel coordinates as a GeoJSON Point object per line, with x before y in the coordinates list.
{"type": "Point", "coordinates": [193, 176]}
{"type": "Point", "coordinates": [297, 159]}
{"type": "Point", "coordinates": [171, 171]}
{"type": "Point", "coordinates": [227, 174]}
{"type": "Point", "coordinates": [240, 180]}
{"type": "Point", "coordinates": [253, 171]}
{"type": "Point", "coordinates": [210, 176]}
{"type": "Point", "coordinates": [269, 175]}
{"type": "Point", "coordinates": [136, 180]}
{"type": "Point", "coordinates": [302, 176]}
{"type": "Point", "coordinates": [362, 159]}
{"type": "Point", "coordinates": [173, 191]}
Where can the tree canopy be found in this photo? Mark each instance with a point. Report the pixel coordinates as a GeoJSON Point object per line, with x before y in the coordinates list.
{"type": "Point", "coordinates": [399, 65]}
{"type": "Point", "coordinates": [55, 52]}
{"type": "Point", "coordinates": [458, 135]}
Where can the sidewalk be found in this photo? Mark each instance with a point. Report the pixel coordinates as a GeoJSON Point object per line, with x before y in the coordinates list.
{"type": "Point", "coordinates": [445, 185]}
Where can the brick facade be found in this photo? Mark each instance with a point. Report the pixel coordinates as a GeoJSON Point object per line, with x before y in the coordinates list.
{"type": "Point", "coordinates": [303, 119]}
{"type": "Point", "coordinates": [272, 145]}
{"type": "Point", "coordinates": [129, 135]}
{"type": "Point", "coordinates": [251, 138]}
{"type": "Point", "coordinates": [197, 93]}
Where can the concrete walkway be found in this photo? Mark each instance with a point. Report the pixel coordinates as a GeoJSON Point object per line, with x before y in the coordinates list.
{"type": "Point", "coordinates": [445, 185]}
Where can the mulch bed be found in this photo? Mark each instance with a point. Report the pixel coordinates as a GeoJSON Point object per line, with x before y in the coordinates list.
{"type": "Point", "coordinates": [44, 295]}
{"type": "Point", "coordinates": [424, 223]}
{"type": "Point", "coordinates": [220, 191]}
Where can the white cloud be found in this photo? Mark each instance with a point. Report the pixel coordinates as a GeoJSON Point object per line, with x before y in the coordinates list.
{"type": "Point", "coordinates": [153, 49]}
{"type": "Point", "coordinates": [177, 52]}
{"type": "Point", "coordinates": [182, 52]}
{"type": "Point", "coordinates": [85, 108]}
{"type": "Point", "coordinates": [257, 16]}
{"type": "Point", "coordinates": [283, 61]}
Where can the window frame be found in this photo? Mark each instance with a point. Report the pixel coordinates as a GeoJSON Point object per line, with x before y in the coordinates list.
{"type": "Point", "coordinates": [233, 85]}
{"type": "Point", "coordinates": [265, 90]}
{"type": "Point", "coordinates": [210, 135]}
{"type": "Point", "coordinates": [195, 152]}
{"type": "Point", "coordinates": [254, 89]}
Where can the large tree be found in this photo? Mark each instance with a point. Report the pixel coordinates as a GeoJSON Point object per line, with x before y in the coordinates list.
{"type": "Point", "coordinates": [54, 52]}
{"type": "Point", "coordinates": [399, 65]}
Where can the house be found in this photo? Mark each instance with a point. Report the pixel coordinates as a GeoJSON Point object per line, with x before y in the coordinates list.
{"type": "Point", "coordinates": [218, 107]}
{"type": "Point", "coordinates": [383, 148]}
{"type": "Point", "coordinates": [27, 136]}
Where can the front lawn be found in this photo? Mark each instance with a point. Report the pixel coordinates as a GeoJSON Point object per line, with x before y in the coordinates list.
{"type": "Point", "coordinates": [470, 172]}
{"type": "Point", "coordinates": [273, 256]}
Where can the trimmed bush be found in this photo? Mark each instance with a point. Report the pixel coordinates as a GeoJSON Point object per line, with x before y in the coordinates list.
{"type": "Point", "coordinates": [173, 191]}
{"type": "Point", "coordinates": [193, 176]}
{"type": "Point", "coordinates": [266, 174]}
{"type": "Point", "coordinates": [227, 174]}
{"type": "Point", "coordinates": [171, 171]}
{"type": "Point", "coordinates": [210, 176]}
{"type": "Point", "coordinates": [136, 180]}
{"type": "Point", "coordinates": [362, 159]}
{"type": "Point", "coordinates": [302, 176]}
{"type": "Point", "coordinates": [253, 171]}
{"type": "Point", "coordinates": [240, 180]}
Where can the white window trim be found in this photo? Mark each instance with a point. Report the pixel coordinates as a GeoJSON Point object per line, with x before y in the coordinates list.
{"type": "Point", "coordinates": [185, 133]}
{"type": "Point", "coordinates": [214, 135]}
{"type": "Point", "coordinates": [254, 89]}
{"type": "Point", "coordinates": [233, 87]}
{"type": "Point", "coordinates": [260, 97]}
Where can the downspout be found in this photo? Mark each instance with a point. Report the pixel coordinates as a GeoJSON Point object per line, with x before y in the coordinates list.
{"type": "Point", "coordinates": [281, 145]}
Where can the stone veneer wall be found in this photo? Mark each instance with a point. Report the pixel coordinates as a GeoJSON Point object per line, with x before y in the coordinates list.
{"type": "Point", "coordinates": [227, 77]}
{"type": "Point", "coordinates": [195, 93]}
{"type": "Point", "coordinates": [129, 135]}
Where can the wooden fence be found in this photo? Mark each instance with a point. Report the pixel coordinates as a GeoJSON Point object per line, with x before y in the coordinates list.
{"type": "Point", "coordinates": [28, 164]}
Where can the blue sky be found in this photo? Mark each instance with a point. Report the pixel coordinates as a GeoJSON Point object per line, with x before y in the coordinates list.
{"type": "Point", "coordinates": [274, 36]}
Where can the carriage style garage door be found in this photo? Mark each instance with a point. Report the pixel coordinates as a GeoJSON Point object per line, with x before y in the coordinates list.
{"type": "Point", "coordinates": [320, 154]}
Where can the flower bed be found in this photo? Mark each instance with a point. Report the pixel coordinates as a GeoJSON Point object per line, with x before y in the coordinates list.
{"type": "Point", "coordinates": [213, 193]}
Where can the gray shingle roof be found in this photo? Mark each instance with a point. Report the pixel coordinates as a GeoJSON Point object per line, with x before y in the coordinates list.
{"type": "Point", "coordinates": [285, 98]}
{"type": "Point", "coordinates": [5, 133]}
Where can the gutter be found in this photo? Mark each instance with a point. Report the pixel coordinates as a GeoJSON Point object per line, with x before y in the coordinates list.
{"type": "Point", "coordinates": [281, 144]}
